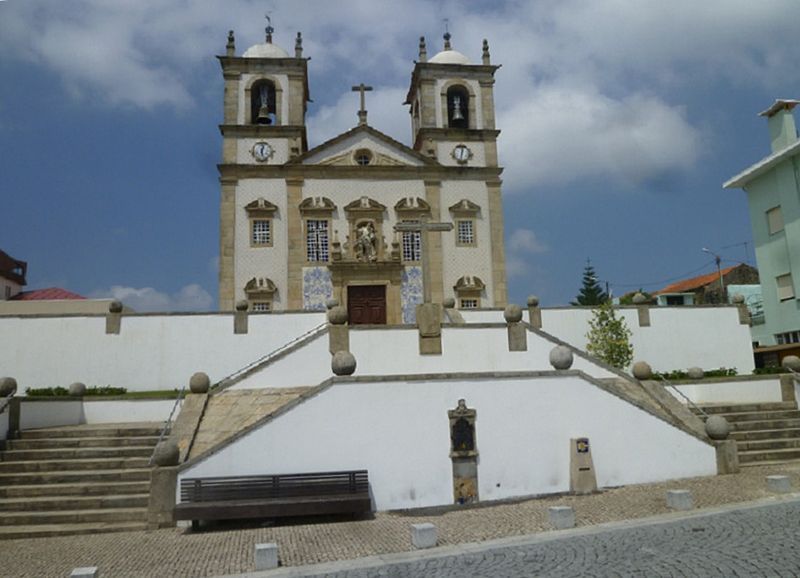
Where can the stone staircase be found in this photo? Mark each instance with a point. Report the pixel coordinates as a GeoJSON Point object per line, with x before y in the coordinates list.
{"type": "Point", "coordinates": [76, 480]}
{"type": "Point", "coordinates": [765, 433]}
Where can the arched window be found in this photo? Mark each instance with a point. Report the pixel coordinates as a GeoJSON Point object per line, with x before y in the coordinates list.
{"type": "Point", "coordinates": [262, 103]}
{"type": "Point", "coordinates": [457, 107]}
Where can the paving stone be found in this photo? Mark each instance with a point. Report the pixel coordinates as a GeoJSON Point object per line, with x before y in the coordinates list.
{"type": "Point", "coordinates": [779, 484]}
{"type": "Point", "coordinates": [266, 556]}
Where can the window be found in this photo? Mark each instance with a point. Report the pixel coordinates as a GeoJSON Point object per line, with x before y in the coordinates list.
{"type": "Point", "coordinates": [673, 300]}
{"type": "Point", "coordinates": [465, 232]}
{"type": "Point", "coordinates": [317, 240]}
{"type": "Point", "coordinates": [262, 103]}
{"type": "Point", "coordinates": [468, 304]}
{"type": "Point", "coordinates": [363, 157]}
{"type": "Point", "coordinates": [457, 107]}
{"type": "Point", "coordinates": [775, 220]}
{"type": "Point", "coordinates": [785, 287]}
{"type": "Point", "coordinates": [788, 337]}
{"type": "Point", "coordinates": [261, 232]}
{"type": "Point", "coordinates": [412, 244]}
{"type": "Point", "coordinates": [262, 306]}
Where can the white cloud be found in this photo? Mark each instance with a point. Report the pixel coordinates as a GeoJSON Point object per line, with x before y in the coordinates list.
{"type": "Point", "coordinates": [189, 298]}
{"type": "Point", "coordinates": [525, 241]}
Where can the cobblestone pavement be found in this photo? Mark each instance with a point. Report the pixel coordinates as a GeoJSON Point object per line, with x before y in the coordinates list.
{"type": "Point", "coordinates": [178, 552]}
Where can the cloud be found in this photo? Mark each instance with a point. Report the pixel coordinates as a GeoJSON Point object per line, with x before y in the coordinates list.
{"type": "Point", "coordinates": [189, 298]}
{"type": "Point", "coordinates": [522, 243]}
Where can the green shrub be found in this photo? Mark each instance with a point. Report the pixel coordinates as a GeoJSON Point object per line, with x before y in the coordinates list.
{"type": "Point", "coordinates": [105, 390]}
{"type": "Point", "coordinates": [769, 370]}
{"type": "Point", "coordinates": [59, 391]}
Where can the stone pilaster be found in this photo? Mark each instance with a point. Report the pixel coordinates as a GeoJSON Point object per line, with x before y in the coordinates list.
{"type": "Point", "coordinates": [296, 243]}
{"type": "Point", "coordinates": [227, 227]}
{"type": "Point", "coordinates": [487, 103]}
{"type": "Point", "coordinates": [433, 194]}
{"type": "Point", "coordinates": [231, 97]}
{"type": "Point", "coordinates": [500, 290]}
{"type": "Point", "coordinates": [428, 103]}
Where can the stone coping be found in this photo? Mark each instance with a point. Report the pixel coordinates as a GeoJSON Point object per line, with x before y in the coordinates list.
{"type": "Point", "coordinates": [591, 307]}
{"type": "Point", "coordinates": [90, 398]}
{"type": "Point", "coordinates": [160, 314]}
{"type": "Point", "coordinates": [723, 379]}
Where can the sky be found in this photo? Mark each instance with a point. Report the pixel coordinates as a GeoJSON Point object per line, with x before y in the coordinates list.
{"type": "Point", "coordinates": [620, 121]}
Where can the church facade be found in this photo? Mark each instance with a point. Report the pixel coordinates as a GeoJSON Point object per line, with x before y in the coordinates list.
{"type": "Point", "coordinates": [300, 226]}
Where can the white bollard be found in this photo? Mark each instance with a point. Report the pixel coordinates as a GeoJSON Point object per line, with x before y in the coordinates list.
{"type": "Point", "coordinates": [88, 572]}
{"type": "Point", "coordinates": [779, 484]}
{"type": "Point", "coordinates": [266, 556]}
{"type": "Point", "coordinates": [561, 517]}
{"type": "Point", "coordinates": [424, 535]}
{"type": "Point", "coordinates": [679, 499]}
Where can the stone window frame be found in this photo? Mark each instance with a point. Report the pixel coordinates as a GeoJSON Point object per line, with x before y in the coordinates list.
{"type": "Point", "coordinates": [260, 290]}
{"type": "Point", "coordinates": [469, 287]}
{"type": "Point", "coordinates": [469, 303]}
{"type": "Point", "coordinates": [260, 210]}
{"type": "Point", "coordinates": [785, 287]}
{"type": "Point", "coordinates": [775, 222]}
{"type": "Point", "coordinates": [366, 209]}
{"type": "Point", "coordinates": [317, 209]}
{"type": "Point", "coordinates": [261, 306]}
{"type": "Point", "coordinates": [248, 99]}
{"type": "Point", "coordinates": [411, 210]}
{"type": "Point", "coordinates": [463, 211]}
{"type": "Point", "coordinates": [358, 154]}
{"type": "Point", "coordinates": [472, 116]}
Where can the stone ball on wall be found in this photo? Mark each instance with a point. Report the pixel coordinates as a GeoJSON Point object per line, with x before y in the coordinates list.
{"type": "Point", "coordinates": [242, 305]}
{"type": "Point", "coordinates": [8, 385]}
{"type": "Point", "coordinates": [449, 303]}
{"type": "Point", "coordinates": [738, 299]}
{"type": "Point", "coordinates": [717, 427]}
{"type": "Point", "coordinates": [561, 357]}
{"type": "Point", "coordinates": [791, 362]}
{"type": "Point", "coordinates": [639, 298]}
{"type": "Point", "coordinates": [695, 373]}
{"type": "Point", "coordinates": [199, 382]}
{"type": "Point", "coordinates": [513, 313]}
{"type": "Point", "coordinates": [642, 370]}
{"type": "Point", "coordinates": [533, 301]}
{"type": "Point", "coordinates": [337, 315]}
{"type": "Point", "coordinates": [343, 363]}
{"type": "Point", "coordinates": [115, 306]}
{"type": "Point", "coordinates": [166, 453]}
{"type": "Point", "coordinates": [77, 389]}
{"type": "Point", "coordinates": [331, 303]}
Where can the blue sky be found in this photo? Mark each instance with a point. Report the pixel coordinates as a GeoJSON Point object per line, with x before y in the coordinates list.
{"type": "Point", "coordinates": [620, 120]}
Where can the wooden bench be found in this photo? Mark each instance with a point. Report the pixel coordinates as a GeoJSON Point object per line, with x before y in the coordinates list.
{"type": "Point", "coordinates": [238, 497]}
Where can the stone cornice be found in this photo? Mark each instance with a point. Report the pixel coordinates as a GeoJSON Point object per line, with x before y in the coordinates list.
{"type": "Point", "coordinates": [388, 173]}
{"type": "Point", "coordinates": [456, 134]}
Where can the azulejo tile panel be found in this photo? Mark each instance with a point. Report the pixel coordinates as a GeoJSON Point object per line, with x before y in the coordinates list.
{"type": "Point", "coordinates": [411, 293]}
{"type": "Point", "coordinates": [317, 287]}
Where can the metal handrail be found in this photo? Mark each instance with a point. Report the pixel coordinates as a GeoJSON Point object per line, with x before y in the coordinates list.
{"type": "Point", "coordinates": [268, 356]}
{"type": "Point", "coordinates": [165, 431]}
{"type": "Point", "coordinates": [679, 392]}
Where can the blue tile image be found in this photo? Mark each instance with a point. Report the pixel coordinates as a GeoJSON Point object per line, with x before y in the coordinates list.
{"type": "Point", "coordinates": [411, 293]}
{"type": "Point", "coordinates": [317, 287]}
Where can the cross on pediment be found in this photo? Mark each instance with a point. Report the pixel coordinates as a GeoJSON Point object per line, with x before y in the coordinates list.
{"type": "Point", "coordinates": [423, 228]}
{"type": "Point", "coordinates": [362, 113]}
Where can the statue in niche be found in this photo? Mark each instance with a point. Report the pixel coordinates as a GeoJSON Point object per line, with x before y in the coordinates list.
{"type": "Point", "coordinates": [366, 241]}
{"type": "Point", "coordinates": [462, 430]}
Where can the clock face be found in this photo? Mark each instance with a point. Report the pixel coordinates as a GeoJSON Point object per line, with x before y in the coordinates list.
{"type": "Point", "coordinates": [262, 151]}
{"type": "Point", "coordinates": [462, 154]}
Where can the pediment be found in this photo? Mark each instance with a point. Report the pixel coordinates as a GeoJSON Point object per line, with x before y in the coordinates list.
{"type": "Point", "coordinates": [363, 146]}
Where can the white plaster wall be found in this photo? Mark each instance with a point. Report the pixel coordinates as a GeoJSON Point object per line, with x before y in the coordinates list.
{"type": "Point", "coordinates": [678, 337]}
{"type": "Point", "coordinates": [399, 431]}
{"type": "Point", "coordinates": [37, 414]}
{"type": "Point", "coordinates": [271, 262]}
{"type": "Point", "coordinates": [307, 366]}
{"type": "Point", "coordinates": [755, 391]}
{"type": "Point", "coordinates": [132, 410]}
{"type": "Point", "coordinates": [151, 352]}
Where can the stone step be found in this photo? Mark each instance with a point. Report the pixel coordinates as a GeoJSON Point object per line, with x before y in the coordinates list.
{"type": "Point", "coordinates": [111, 515]}
{"type": "Point", "coordinates": [92, 431]}
{"type": "Point", "coordinates": [765, 424]}
{"type": "Point", "coordinates": [768, 444]}
{"type": "Point", "coordinates": [73, 476]}
{"type": "Point", "coordinates": [75, 489]}
{"type": "Point", "coordinates": [73, 465]}
{"type": "Point", "coordinates": [769, 455]}
{"type": "Point", "coordinates": [766, 463]}
{"type": "Point", "coordinates": [82, 442]}
{"type": "Point", "coordinates": [47, 530]}
{"type": "Point", "coordinates": [77, 453]}
{"type": "Point", "coordinates": [752, 435]}
{"type": "Point", "coordinates": [743, 407]}
{"type": "Point", "coordinates": [761, 415]}
{"type": "Point", "coordinates": [55, 503]}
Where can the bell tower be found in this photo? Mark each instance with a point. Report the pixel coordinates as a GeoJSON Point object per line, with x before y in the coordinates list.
{"type": "Point", "coordinates": [452, 107]}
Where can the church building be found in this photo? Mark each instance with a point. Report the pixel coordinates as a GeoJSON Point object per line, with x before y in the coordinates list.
{"type": "Point", "coordinates": [361, 218]}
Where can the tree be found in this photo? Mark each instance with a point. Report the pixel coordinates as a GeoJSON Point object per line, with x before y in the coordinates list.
{"type": "Point", "coordinates": [590, 293]}
{"type": "Point", "coordinates": [609, 337]}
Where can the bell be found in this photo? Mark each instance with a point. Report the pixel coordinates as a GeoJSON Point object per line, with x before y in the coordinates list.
{"type": "Point", "coordinates": [457, 109]}
{"type": "Point", "coordinates": [264, 117]}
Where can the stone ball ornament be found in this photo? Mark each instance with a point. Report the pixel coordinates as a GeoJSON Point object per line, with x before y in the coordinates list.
{"type": "Point", "coordinates": [695, 373]}
{"type": "Point", "coordinates": [199, 382]}
{"type": "Point", "coordinates": [738, 299]}
{"type": "Point", "coordinates": [343, 363]}
{"type": "Point", "coordinates": [337, 315]}
{"type": "Point", "coordinates": [331, 303]}
{"type": "Point", "coordinates": [77, 389]}
{"type": "Point", "coordinates": [642, 370]}
{"type": "Point", "coordinates": [561, 357]}
{"type": "Point", "coordinates": [513, 313]}
{"type": "Point", "coordinates": [791, 362]}
{"type": "Point", "coordinates": [449, 303]}
{"type": "Point", "coordinates": [242, 305]}
{"type": "Point", "coordinates": [166, 453]}
{"type": "Point", "coordinates": [115, 306]}
{"type": "Point", "coordinates": [8, 386]}
{"type": "Point", "coordinates": [639, 298]}
{"type": "Point", "coordinates": [717, 427]}
{"type": "Point", "coordinates": [533, 301]}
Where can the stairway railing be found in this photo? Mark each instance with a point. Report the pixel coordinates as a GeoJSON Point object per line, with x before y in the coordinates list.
{"type": "Point", "coordinates": [167, 428]}
{"type": "Point", "coordinates": [680, 393]}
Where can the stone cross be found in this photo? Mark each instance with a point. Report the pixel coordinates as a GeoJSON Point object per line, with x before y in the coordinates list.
{"type": "Point", "coordinates": [423, 228]}
{"type": "Point", "coordinates": [362, 114]}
